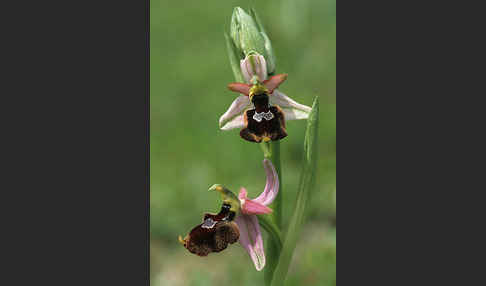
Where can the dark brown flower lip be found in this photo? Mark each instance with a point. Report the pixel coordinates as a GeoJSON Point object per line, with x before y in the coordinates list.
{"type": "Point", "coordinates": [214, 234]}
{"type": "Point", "coordinates": [264, 130]}
{"type": "Point", "coordinates": [264, 122]}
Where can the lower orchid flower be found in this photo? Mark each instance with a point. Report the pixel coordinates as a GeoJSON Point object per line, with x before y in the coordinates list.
{"type": "Point", "coordinates": [261, 109]}
{"type": "Point", "coordinates": [237, 220]}
{"type": "Point", "coordinates": [214, 234]}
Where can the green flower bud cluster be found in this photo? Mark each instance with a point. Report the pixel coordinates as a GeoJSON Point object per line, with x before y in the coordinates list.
{"type": "Point", "coordinates": [247, 36]}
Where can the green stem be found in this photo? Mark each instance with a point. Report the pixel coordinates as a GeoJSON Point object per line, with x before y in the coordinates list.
{"type": "Point", "coordinates": [277, 203]}
{"type": "Point", "coordinates": [271, 151]}
{"type": "Point", "coordinates": [272, 229]}
{"type": "Point", "coordinates": [266, 150]}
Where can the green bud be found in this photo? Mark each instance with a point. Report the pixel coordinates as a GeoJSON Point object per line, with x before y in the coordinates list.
{"type": "Point", "coordinates": [245, 33]}
{"type": "Point", "coordinates": [269, 55]}
{"type": "Point", "coordinates": [249, 37]}
{"type": "Point", "coordinates": [270, 58]}
{"type": "Point", "coordinates": [234, 56]}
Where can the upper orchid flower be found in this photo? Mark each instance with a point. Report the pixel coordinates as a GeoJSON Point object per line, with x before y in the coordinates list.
{"type": "Point", "coordinates": [249, 228]}
{"type": "Point", "coordinates": [261, 109]}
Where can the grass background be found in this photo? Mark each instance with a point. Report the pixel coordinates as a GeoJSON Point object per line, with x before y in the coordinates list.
{"type": "Point", "coordinates": [189, 71]}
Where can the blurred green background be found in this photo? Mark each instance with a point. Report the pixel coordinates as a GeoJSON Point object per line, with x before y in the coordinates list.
{"type": "Point", "coordinates": [189, 71]}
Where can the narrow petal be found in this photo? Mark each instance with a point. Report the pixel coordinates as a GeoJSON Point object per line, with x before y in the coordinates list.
{"type": "Point", "coordinates": [274, 81]}
{"type": "Point", "coordinates": [280, 99]}
{"type": "Point", "coordinates": [271, 187]}
{"type": "Point", "coordinates": [236, 110]}
{"type": "Point", "coordinates": [242, 88]}
{"type": "Point", "coordinates": [251, 238]}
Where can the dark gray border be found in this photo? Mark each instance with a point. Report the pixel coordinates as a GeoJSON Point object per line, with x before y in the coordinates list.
{"type": "Point", "coordinates": [75, 113]}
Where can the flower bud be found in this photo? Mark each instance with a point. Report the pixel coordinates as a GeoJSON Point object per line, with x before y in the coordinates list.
{"type": "Point", "coordinates": [249, 37]}
{"type": "Point", "coordinates": [254, 65]}
{"type": "Point", "coordinates": [269, 55]}
{"type": "Point", "coordinates": [245, 33]}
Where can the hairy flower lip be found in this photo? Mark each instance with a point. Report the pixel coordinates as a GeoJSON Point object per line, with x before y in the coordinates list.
{"type": "Point", "coordinates": [214, 234]}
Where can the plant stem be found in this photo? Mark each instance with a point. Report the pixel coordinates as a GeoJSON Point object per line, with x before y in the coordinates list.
{"type": "Point", "coordinates": [267, 153]}
{"type": "Point", "coordinates": [306, 186]}
{"type": "Point", "coordinates": [271, 150]}
{"type": "Point", "coordinates": [272, 254]}
{"type": "Point", "coordinates": [272, 229]}
{"type": "Point", "coordinates": [277, 204]}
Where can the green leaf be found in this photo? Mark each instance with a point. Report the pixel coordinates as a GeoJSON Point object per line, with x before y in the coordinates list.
{"type": "Point", "coordinates": [234, 58]}
{"type": "Point", "coordinates": [307, 182]}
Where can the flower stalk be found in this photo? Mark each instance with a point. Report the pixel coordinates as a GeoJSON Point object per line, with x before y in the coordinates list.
{"type": "Point", "coordinates": [271, 150]}
{"type": "Point", "coordinates": [248, 38]}
{"type": "Point", "coordinates": [273, 222]}
{"type": "Point", "coordinates": [261, 111]}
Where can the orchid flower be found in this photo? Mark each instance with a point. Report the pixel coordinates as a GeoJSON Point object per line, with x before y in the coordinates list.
{"type": "Point", "coordinates": [250, 235]}
{"type": "Point", "coordinates": [236, 220]}
{"type": "Point", "coordinates": [254, 70]}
